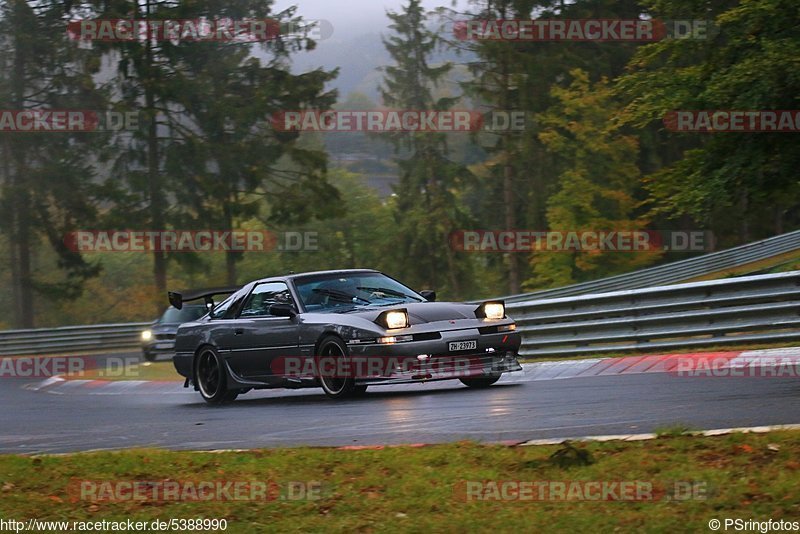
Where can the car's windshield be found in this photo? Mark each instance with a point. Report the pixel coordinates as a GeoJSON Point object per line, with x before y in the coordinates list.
{"type": "Point", "coordinates": [342, 292]}
{"type": "Point", "coordinates": [184, 315]}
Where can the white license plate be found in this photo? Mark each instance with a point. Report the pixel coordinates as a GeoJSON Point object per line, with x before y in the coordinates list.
{"type": "Point", "coordinates": [456, 346]}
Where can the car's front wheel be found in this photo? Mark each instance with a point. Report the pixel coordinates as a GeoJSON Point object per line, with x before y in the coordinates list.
{"type": "Point", "coordinates": [211, 378]}
{"type": "Point", "coordinates": [332, 369]}
{"type": "Point", "coordinates": [482, 382]}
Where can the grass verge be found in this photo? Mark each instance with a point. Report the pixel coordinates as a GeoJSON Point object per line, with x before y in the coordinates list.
{"type": "Point", "coordinates": [789, 261]}
{"type": "Point", "coordinates": [161, 371]}
{"type": "Point", "coordinates": [407, 489]}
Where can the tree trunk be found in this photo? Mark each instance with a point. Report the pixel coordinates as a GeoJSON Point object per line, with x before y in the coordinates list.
{"type": "Point", "coordinates": [230, 268]}
{"type": "Point", "coordinates": [514, 283]}
{"type": "Point", "coordinates": [21, 245]}
{"type": "Point", "coordinates": [744, 223]}
{"type": "Point", "coordinates": [155, 189]}
{"type": "Point", "coordinates": [779, 211]}
{"type": "Point", "coordinates": [20, 201]}
{"type": "Point", "coordinates": [230, 256]}
{"type": "Point", "coordinates": [510, 219]}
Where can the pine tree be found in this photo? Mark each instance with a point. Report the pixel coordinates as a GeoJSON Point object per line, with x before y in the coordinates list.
{"type": "Point", "coordinates": [230, 164]}
{"type": "Point", "coordinates": [427, 208]}
{"type": "Point", "coordinates": [495, 72]}
{"type": "Point", "coordinates": [140, 186]}
{"type": "Point", "coordinates": [46, 178]}
{"type": "Point", "coordinates": [207, 156]}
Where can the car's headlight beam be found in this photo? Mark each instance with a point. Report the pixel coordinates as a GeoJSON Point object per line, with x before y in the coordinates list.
{"type": "Point", "coordinates": [394, 319]}
{"type": "Point", "coordinates": [147, 335]}
{"type": "Point", "coordinates": [492, 310]}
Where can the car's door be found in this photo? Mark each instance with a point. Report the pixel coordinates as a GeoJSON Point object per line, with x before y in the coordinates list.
{"type": "Point", "coordinates": [259, 337]}
{"type": "Point", "coordinates": [222, 321]}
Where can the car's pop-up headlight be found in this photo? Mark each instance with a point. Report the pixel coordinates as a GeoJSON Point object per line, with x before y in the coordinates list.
{"type": "Point", "coordinates": [491, 310]}
{"type": "Point", "coordinates": [394, 319]}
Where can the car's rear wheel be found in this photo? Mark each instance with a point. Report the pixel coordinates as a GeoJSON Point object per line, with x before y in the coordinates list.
{"type": "Point", "coordinates": [478, 383]}
{"type": "Point", "coordinates": [331, 369]}
{"type": "Point", "coordinates": [211, 378]}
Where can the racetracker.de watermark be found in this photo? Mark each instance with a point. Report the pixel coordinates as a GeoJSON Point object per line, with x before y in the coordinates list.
{"type": "Point", "coordinates": [709, 121]}
{"type": "Point", "coordinates": [193, 490]}
{"type": "Point", "coordinates": [578, 490]}
{"type": "Point", "coordinates": [727, 367]}
{"type": "Point", "coordinates": [595, 30]}
{"type": "Point", "coordinates": [190, 241]}
{"type": "Point", "coordinates": [580, 241]}
{"type": "Point", "coordinates": [68, 120]}
{"type": "Point", "coordinates": [222, 29]}
{"type": "Point", "coordinates": [422, 366]}
{"type": "Point", "coordinates": [68, 367]}
{"type": "Point", "coordinates": [398, 120]}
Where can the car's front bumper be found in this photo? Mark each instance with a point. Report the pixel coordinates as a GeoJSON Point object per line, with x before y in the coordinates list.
{"type": "Point", "coordinates": [447, 368]}
{"type": "Point", "coordinates": [159, 347]}
{"type": "Point", "coordinates": [418, 361]}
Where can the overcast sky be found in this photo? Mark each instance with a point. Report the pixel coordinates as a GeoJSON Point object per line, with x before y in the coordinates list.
{"type": "Point", "coordinates": [356, 16]}
{"type": "Point", "coordinates": [354, 46]}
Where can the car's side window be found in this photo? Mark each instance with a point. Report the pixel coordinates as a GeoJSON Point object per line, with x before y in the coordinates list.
{"type": "Point", "coordinates": [222, 308]}
{"type": "Point", "coordinates": [264, 296]}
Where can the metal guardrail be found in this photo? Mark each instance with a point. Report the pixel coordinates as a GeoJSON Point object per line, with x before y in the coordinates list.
{"type": "Point", "coordinates": [71, 338]}
{"type": "Point", "coordinates": [569, 320]}
{"type": "Point", "coordinates": [675, 272]}
{"type": "Point", "coordinates": [748, 309]}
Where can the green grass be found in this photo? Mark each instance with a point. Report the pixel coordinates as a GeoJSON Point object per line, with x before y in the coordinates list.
{"type": "Point", "coordinates": [789, 261]}
{"type": "Point", "coordinates": [413, 489]}
{"type": "Point", "coordinates": [161, 371]}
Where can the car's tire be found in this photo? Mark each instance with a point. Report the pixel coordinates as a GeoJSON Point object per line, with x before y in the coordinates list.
{"type": "Point", "coordinates": [148, 356]}
{"type": "Point", "coordinates": [211, 378]}
{"type": "Point", "coordinates": [478, 383]}
{"type": "Point", "coordinates": [334, 387]}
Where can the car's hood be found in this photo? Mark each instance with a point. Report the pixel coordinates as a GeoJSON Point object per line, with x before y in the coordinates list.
{"type": "Point", "coordinates": [165, 328]}
{"type": "Point", "coordinates": [423, 312]}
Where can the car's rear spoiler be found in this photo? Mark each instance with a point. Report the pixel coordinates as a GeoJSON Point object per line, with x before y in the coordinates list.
{"type": "Point", "coordinates": [177, 299]}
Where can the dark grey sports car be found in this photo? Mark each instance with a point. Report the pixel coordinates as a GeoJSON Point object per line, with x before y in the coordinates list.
{"type": "Point", "coordinates": [342, 331]}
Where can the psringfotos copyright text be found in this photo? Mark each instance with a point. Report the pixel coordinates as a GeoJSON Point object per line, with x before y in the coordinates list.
{"type": "Point", "coordinates": [753, 525]}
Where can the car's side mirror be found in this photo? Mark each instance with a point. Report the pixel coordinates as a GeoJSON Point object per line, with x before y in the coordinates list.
{"type": "Point", "coordinates": [429, 295]}
{"type": "Point", "coordinates": [282, 310]}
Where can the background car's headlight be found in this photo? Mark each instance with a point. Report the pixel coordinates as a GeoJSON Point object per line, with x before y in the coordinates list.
{"type": "Point", "coordinates": [147, 335]}
{"type": "Point", "coordinates": [491, 310]}
{"type": "Point", "coordinates": [394, 319]}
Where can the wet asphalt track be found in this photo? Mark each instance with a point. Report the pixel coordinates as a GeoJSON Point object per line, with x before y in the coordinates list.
{"type": "Point", "coordinates": [515, 409]}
